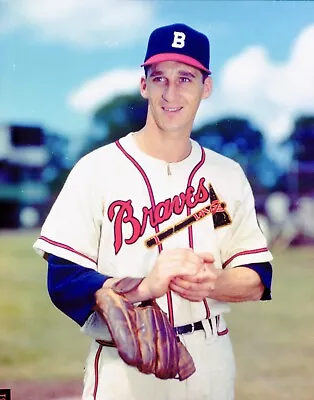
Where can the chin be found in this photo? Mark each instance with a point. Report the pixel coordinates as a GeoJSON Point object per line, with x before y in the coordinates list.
{"type": "Point", "coordinates": [172, 129]}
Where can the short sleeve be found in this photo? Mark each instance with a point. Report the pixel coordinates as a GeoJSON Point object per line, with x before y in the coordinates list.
{"type": "Point", "coordinates": [72, 227]}
{"type": "Point", "coordinates": [244, 242]}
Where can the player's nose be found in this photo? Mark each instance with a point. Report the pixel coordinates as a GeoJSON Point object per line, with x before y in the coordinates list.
{"type": "Point", "coordinates": [170, 93]}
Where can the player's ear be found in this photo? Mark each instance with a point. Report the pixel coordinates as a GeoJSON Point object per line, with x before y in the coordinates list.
{"type": "Point", "coordinates": [208, 87]}
{"type": "Point", "coordinates": [143, 87]}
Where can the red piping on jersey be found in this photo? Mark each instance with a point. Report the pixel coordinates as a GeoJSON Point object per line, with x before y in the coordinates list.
{"type": "Point", "coordinates": [190, 229]}
{"type": "Point", "coordinates": [153, 204]}
{"type": "Point", "coordinates": [224, 332]}
{"type": "Point", "coordinates": [220, 333]}
{"type": "Point", "coordinates": [192, 174]}
{"type": "Point", "coordinates": [145, 177]}
{"type": "Point", "coordinates": [243, 253]}
{"type": "Point", "coordinates": [96, 365]}
{"type": "Point", "coordinates": [64, 246]}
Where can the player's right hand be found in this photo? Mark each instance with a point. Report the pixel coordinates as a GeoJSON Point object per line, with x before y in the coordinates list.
{"type": "Point", "coordinates": [169, 264]}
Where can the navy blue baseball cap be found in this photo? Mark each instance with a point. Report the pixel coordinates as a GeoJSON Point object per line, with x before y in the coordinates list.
{"type": "Point", "coordinates": [178, 42]}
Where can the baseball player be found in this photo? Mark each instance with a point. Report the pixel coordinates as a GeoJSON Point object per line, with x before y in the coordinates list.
{"type": "Point", "coordinates": [155, 204]}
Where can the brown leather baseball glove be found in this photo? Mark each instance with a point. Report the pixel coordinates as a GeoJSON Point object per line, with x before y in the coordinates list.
{"type": "Point", "coordinates": [143, 335]}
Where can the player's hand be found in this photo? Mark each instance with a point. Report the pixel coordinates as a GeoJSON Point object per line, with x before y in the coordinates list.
{"type": "Point", "coordinates": [170, 264]}
{"type": "Point", "coordinates": [198, 286]}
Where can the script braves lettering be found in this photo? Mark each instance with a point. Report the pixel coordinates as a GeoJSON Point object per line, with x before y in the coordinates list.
{"type": "Point", "coordinates": [122, 212]}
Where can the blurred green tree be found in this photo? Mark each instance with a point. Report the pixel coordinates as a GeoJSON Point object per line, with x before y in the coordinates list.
{"type": "Point", "coordinates": [112, 120]}
{"type": "Point", "coordinates": [302, 139]}
{"type": "Point", "coordinates": [238, 139]}
{"type": "Point", "coordinates": [298, 180]}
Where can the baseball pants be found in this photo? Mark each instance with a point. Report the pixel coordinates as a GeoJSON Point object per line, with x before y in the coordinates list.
{"type": "Point", "coordinates": [107, 377]}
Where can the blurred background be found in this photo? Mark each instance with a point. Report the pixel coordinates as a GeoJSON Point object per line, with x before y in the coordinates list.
{"type": "Point", "coordinates": [69, 83]}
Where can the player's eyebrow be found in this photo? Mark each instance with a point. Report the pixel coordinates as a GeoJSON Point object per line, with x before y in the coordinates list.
{"type": "Point", "coordinates": [156, 73]}
{"type": "Point", "coordinates": [187, 74]}
{"type": "Point", "coordinates": [181, 73]}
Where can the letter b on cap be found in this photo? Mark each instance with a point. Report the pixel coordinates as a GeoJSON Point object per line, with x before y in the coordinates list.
{"type": "Point", "coordinates": [178, 40]}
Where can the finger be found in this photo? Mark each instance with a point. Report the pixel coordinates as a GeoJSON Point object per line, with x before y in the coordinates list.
{"type": "Point", "coordinates": [181, 284]}
{"type": "Point", "coordinates": [182, 255]}
{"type": "Point", "coordinates": [195, 299]}
{"type": "Point", "coordinates": [191, 282]}
{"type": "Point", "coordinates": [187, 294]}
{"type": "Point", "coordinates": [187, 286]}
{"type": "Point", "coordinates": [198, 278]}
{"type": "Point", "coordinates": [204, 287]}
{"type": "Point", "coordinates": [192, 256]}
{"type": "Point", "coordinates": [207, 257]}
{"type": "Point", "coordinates": [181, 289]}
{"type": "Point", "coordinates": [204, 275]}
{"type": "Point", "coordinates": [186, 268]}
{"type": "Point", "coordinates": [186, 254]}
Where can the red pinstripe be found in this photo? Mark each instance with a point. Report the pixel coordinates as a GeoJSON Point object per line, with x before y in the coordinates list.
{"type": "Point", "coordinates": [243, 253]}
{"type": "Point", "coordinates": [153, 204]}
{"type": "Point", "coordinates": [221, 333]}
{"type": "Point", "coordinates": [192, 174]}
{"type": "Point", "coordinates": [96, 364]}
{"type": "Point", "coordinates": [147, 182]}
{"type": "Point", "coordinates": [190, 228]}
{"type": "Point", "coordinates": [64, 246]}
{"type": "Point", "coordinates": [224, 332]}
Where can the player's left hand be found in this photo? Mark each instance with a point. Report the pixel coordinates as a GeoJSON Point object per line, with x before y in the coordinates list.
{"type": "Point", "coordinates": [199, 286]}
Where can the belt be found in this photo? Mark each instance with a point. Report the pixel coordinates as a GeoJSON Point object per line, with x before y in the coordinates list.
{"type": "Point", "coordinates": [179, 330]}
{"type": "Point", "coordinates": [190, 328]}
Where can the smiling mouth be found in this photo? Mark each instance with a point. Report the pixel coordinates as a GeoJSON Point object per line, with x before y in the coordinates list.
{"type": "Point", "coordinates": [172, 109]}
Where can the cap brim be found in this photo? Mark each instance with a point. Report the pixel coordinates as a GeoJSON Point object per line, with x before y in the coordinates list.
{"type": "Point", "coordinates": [175, 57]}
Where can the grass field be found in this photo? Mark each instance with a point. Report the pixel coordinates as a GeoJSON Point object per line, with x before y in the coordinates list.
{"type": "Point", "coordinates": [273, 341]}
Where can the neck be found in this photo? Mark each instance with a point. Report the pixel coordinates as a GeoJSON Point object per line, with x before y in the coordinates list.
{"type": "Point", "coordinates": [170, 147]}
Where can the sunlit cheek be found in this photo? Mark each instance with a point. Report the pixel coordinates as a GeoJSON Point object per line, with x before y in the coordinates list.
{"type": "Point", "coordinates": [193, 98]}
{"type": "Point", "coordinates": [156, 93]}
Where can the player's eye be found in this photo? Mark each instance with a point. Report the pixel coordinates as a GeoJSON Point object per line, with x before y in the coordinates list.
{"type": "Point", "coordinates": [184, 79]}
{"type": "Point", "coordinates": [159, 79]}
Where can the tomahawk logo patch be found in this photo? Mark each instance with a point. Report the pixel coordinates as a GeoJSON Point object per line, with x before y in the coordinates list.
{"type": "Point", "coordinates": [216, 208]}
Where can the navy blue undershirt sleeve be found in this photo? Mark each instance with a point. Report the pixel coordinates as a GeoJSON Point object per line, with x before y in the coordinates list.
{"type": "Point", "coordinates": [71, 287]}
{"type": "Point", "coordinates": [265, 272]}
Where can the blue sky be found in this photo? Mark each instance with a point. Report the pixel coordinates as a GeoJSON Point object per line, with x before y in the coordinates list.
{"type": "Point", "coordinates": [60, 59]}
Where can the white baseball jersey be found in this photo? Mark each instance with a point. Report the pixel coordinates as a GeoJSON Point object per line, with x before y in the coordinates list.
{"type": "Point", "coordinates": [119, 208]}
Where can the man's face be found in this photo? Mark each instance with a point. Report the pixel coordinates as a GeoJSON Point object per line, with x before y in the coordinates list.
{"type": "Point", "coordinates": [174, 91]}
